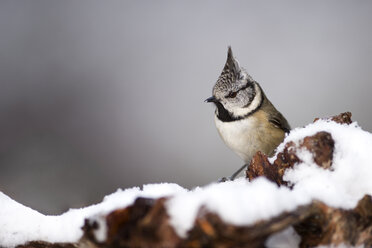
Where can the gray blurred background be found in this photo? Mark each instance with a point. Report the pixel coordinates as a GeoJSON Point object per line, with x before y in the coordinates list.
{"type": "Point", "coordinates": [97, 95]}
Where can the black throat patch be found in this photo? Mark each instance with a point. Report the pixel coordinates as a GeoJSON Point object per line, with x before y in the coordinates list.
{"type": "Point", "coordinates": [225, 116]}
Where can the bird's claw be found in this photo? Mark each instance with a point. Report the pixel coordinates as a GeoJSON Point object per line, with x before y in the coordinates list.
{"type": "Point", "coordinates": [223, 179]}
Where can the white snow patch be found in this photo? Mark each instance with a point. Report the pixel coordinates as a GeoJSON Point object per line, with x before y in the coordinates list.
{"type": "Point", "coordinates": [243, 203]}
{"type": "Point", "coordinates": [288, 238]}
{"type": "Point", "coordinates": [20, 224]}
{"type": "Point", "coordinates": [239, 202]}
{"type": "Point", "coordinates": [349, 179]}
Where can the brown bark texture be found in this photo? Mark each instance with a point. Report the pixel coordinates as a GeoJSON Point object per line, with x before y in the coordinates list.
{"type": "Point", "coordinates": [146, 223]}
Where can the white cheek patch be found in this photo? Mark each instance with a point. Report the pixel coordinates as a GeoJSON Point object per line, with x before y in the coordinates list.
{"type": "Point", "coordinates": [238, 112]}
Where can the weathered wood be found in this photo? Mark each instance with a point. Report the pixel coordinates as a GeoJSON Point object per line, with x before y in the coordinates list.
{"type": "Point", "coordinates": [343, 118]}
{"type": "Point", "coordinates": [143, 224]}
{"type": "Point", "coordinates": [211, 231]}
{"type": "Point", "coordinates": [325, 225]}
{"type": "Point", "coordinates": [41, 244]}
{"type": "Point", "coordinates": [320, 145]}
{"type": "Point", "coordinates": [146, 223]}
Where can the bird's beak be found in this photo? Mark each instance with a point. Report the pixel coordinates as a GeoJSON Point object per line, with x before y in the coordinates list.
{"type": "Point", "coordinates": [211, 99]}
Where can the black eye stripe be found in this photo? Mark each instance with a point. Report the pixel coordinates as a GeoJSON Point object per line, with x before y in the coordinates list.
{"type": "Point", "coordinates": [245, 86]}
{"type": "Point", "coordinates": [233, 94]}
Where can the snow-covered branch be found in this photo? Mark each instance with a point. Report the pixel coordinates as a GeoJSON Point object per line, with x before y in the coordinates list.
{"type": "Point", "coordinates": [315, 191]}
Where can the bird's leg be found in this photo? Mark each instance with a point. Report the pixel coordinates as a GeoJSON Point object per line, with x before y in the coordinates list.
{"type": "Point", "coordinates": [237, 172]}
{"type": "Point", "coordinates": [224, 179]}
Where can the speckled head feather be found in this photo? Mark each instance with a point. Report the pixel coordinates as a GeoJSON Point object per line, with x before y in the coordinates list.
{"type": "Point", "coordinates": [235, 90]}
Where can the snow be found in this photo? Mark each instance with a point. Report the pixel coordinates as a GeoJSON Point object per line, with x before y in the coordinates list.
{"type": "Point", "coordinates": [243, 203]}
{"type": "Point", "coordinates": [349, 180]}
{"type": "Point", "coordinates": [20, 224]}
{"type": "Point", "coordinates": [239, 202]}
{"type": "Point", "coordinates": [288, 238]}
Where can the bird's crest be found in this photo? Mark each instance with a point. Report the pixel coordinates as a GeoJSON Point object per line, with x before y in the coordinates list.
{"type": "Point", "coordinates": [232, 65]}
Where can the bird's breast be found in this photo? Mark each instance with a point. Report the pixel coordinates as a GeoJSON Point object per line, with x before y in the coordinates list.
{"type": "Point", "coordinates": [239, 136]}
{"type": "Point", "coordinates": [247, 136]}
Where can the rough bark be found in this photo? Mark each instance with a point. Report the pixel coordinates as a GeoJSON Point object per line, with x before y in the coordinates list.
{"type": "Point", "coordinates": [325, 225]}
{"type": "Point", "coordinates": [143, 224]}
{"type": "Point", "coordinates": [210, 231]}
{"type": "Point", "coordinates": [146, 223]}
{"type": "Point", "coordinates": [320, 145]}
{"type": "Point", "coordinates": [343, 118]}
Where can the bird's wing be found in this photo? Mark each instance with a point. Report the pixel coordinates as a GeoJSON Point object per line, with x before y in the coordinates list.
{"type": "Point", "coordinates": [280, 122]}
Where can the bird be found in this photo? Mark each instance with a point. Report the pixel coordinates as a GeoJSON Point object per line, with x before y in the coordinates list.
{"type": "Point", "coordinates": [244, 117]}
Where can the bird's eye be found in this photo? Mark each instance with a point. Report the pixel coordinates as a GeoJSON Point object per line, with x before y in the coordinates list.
{"type": "Point", "coordinates": [232, 94]}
